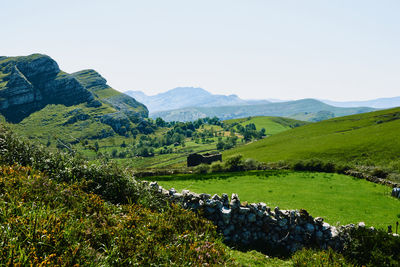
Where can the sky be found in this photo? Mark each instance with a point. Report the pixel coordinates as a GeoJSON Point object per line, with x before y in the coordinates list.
{"type": "Point", "coordinates": [257, 49]}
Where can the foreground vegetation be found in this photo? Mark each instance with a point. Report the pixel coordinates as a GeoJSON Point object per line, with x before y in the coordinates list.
{"type": "Point", "coordinates": [354, 199]}
{"type": "Point", "coordinates": [45, 222]}
{"type": "Point", "coordinates": [366, 141]}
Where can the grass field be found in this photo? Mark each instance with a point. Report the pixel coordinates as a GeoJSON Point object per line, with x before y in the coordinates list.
{"type": "Point", "coordinates": [272, 125]}
{"type": "Point", "coordinates": [365, 139]}
{"type": "Point", "coordinates": [339, 199]}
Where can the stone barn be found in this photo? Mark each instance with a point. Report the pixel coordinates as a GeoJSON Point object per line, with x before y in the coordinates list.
{"type": "Point", "coordinates": [197, 159]}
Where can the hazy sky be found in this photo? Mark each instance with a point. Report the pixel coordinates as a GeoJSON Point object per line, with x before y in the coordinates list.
{"type": "Point", "coordinates": [287, 49]}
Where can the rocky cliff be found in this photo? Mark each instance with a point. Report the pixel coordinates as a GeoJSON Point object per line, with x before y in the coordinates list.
{"type": "Point", "coordinates": [33, 89]}
{"type": "Point", "coordinates": [128, 111]}
{"type": "Point", "coordinates": [27, 84]}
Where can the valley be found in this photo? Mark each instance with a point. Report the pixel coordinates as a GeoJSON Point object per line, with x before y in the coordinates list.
{"type": "Point", "coordinates": [200, 133]}
{"type": "Point", "coordinates": [292, 155]}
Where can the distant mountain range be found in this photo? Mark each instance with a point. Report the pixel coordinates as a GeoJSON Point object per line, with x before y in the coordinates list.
{"type": "Point", "coordinates": [182, 97]}
{"type": "Point", "coordinates": [190, 103]}
{"type": "Point", "coordinates": [389, 102]}
{"type": "Point", "coordinates": [305, 109]}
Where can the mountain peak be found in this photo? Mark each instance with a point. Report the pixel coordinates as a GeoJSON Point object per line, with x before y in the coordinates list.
{"type": "Point", "coordinates": [90, 78]}
{"type": "Point", "coordinates": [182, 97]}
{"type": "Point", "coordinates": [188, 90]}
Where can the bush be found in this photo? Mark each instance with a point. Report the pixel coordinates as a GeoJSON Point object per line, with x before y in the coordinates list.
{"type": "Point", "coordinates": [251, 164]}
{"type": "Point", "coordinates": [311, 258]}
{"type": "Point", "coordinates": [372, 247]}
{"type": "Point", "coordinates": [104, 179]}
{"type": "Point", "coordinates": [216, 167]}
{"type": "Point", "coordinates": [314, 165]}
{"type": "Point", "coordinates": [202, 168]}
{"type": "Point", "coordinates": [45, 223]}
{"type": "Point", "coordinates": [234, 163]}
{"type": "Point", "coordinates": [377, 172]}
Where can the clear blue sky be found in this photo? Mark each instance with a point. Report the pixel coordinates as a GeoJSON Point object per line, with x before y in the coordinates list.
{"type": "Point", "coordinates": [287, 49]}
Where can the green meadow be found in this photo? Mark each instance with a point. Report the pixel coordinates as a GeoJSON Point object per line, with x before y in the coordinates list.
{"type": "Point", "coordinates": [369, 139]}
{"type": "Point", "coordinates": [339, 199]}
{"type": "Point", "coordinates": [272, 125]}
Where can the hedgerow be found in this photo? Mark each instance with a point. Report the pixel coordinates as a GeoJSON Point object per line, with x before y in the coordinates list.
{"type": "Point", "coordinates": [104, 179]}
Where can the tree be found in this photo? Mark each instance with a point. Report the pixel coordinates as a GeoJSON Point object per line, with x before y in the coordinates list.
{"type": "Point", "coordinates": [220, 145]}
{"type": "Point", "coordinates": [160, 122]}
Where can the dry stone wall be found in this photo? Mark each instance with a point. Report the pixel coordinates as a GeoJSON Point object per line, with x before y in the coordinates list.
{"type": "Point", "coordinates": [258, 224]}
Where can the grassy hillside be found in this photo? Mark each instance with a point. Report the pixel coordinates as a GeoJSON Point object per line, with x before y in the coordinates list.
{"type": "Point", "coordinates": [47, 104]}
{"type": "Point", "coordinates": [354, 199]}
{"type": "Point", "coordinates": [272, 125]}
{"type": "Point", "coordinates": [72, 123]}
{"type": "Point", "coordinates": [60, 210]}
{"type": "Point", "coordinates": [370, 139]}
{"type": "Point", "coordinates": [282, 109]}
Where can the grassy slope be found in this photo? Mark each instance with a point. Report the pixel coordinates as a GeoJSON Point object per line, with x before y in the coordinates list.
{"type": "Point", "coordinates": [48, 123]}
{"type": "Point", "coordinates": [370, 138]}
{"type": "Point", "coordinates": [336, 198]}
{"type": "Point", "coordinates": [272, 125]}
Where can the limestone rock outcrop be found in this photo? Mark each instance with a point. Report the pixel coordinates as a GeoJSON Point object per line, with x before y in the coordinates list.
{"type": "Point", "coordinates": [27, 84]}
{"type": "Point", "coordinates": [30, 83]}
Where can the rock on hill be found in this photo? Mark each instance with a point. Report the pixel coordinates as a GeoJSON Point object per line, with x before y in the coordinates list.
{"type": "Point", "coordinates": [183, 97]}
{"type": "Point", "coordinates": [35, 92]}
{"type": "Point", "coordinates": [27, 84]}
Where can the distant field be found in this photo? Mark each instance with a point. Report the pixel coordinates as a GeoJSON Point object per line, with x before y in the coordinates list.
{"type": "Point", "coordinates": [176, 159]}
{"type": "Point", "coordinates": [337, 198]}
{"type": "Point", "coordinates": [365, 139]}
{"type": "Point", "coordinates": [272, 125]}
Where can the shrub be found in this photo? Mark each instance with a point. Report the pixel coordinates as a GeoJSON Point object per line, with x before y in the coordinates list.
{"type": "Point", "coordinates": [314, 165]}
{"type": "Point", "coordinates": [45, 223]}
{"type": "Point", "coordinates": [377, 172]}
{"type": "Point", "coordinates": [342, 168]}
{"type": "Point", "coordinates": [251, 164]}
{"type": "Point", "coordinates": [234, 163]}
{"type": "Point", "coordinates": [202, 168]}
{"type": "Point", "coordinates": [372, 247]}
{"type": "Point", "coordinates": [105, 179]}
{"type": "Point", "coordinates": [311, 258]}
{"type": "Point", "coordinates": [216, 167]}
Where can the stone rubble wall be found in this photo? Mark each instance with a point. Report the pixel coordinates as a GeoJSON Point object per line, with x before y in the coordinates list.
{"type": "Point", "coordinates": [371, 178]}
{"type": "Point", "coordinates": [250, 224]}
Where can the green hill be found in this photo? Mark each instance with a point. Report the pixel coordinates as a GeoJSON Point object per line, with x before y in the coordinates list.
{"type": "Point", "coordinates": [310, 109]}
{"type": "Point", "coordinates": [370, 139]}
{"type": "Point", "coordinates": [272, 125]}
{"type": "Point", "coordinates": [41, 101]}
